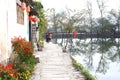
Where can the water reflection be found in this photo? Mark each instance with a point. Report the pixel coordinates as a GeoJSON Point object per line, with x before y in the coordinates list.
{"type": "Point", "coordinates": [99, 55]}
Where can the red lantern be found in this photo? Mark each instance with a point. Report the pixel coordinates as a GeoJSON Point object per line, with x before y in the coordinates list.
{"type": "Point", "coordinates": [30, 18]}
{"type": "Point", "coordinates": [28, 9]}
{"type": "Point", "coordinates": [34, 20]}
{"type": "Point", "coordinates": [23, 6]}
{"type": "Point", "coordinates": [74, 33]}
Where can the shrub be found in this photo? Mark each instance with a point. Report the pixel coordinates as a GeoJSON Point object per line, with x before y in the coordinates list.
{"type": "Point", "coordinates": [23, 72]}
{"type": "Point", "coordinates": [8, 72]}
{"type": "Point", "coordinates": [23, 48]}
{"type": "Point", "coordinates": [25, 61]}
{"type": "Point", "coordinates": [86, 73]}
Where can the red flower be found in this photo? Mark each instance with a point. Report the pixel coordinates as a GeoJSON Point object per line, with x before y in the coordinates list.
{"type": "Point", "coordinates": [16, 48]}
{"type": "Point", "coordinates": [1, 65]}
{"type": "Point", "coordinates": [23, 48]}
{"type": "Point", "coordinates": [26, 50]}
{"type": "Point", "coordinates": [8, 70]}
{"type": "Point", "coordinates": [9, 66]}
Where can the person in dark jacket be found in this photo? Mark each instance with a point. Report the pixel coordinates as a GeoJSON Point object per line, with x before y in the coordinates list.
{"type": "Point", "coordinates": [48, 37]}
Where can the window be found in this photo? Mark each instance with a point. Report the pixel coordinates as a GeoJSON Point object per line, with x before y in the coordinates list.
{"type": "Point", "coordinates": [20, 15]}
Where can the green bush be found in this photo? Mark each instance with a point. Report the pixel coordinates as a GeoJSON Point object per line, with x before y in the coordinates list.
{"type": "Point", "coordinates": [25, 62]}
{"type": "Point", "coordinates": [23, 72]}
{"type": "Point", "coordinates": [85, 72]}
{"type": "Point", "coordinates": [8, 72]}
{"type": "Point", "coordinates": [23, 48]}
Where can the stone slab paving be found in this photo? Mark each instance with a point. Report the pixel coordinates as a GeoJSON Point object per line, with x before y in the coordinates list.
{"type": "Point", "coordinates": [54, 65]}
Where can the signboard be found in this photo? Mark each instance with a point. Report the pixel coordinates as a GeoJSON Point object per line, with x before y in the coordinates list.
{"type": "Point", "coordinates": [33, 33]}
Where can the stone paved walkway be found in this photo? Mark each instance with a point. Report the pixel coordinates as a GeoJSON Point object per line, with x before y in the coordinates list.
{"type": "Point", "coordinates": [54, 65]}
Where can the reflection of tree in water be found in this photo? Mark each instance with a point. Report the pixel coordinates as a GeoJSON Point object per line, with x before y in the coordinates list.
{"type": "Point", "coordinates": [107, 48]}
{"type": "Point", "coordinates": [84, 48]}
{"type": "Point", "coordinates": [116, 56]}
{"type": "Point", "coordinates": [104, 46]}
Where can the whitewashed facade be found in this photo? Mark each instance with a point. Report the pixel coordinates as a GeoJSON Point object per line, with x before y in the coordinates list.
{"type": "Point", "coordinates": [10, 28]}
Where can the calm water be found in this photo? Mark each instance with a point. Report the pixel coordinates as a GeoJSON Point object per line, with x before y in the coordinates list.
{"type": "Point", "coordinates": [100, 56]}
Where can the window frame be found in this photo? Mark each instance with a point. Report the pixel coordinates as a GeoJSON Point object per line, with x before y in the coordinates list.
{"type": "Point", "coordinates": [20, 13]}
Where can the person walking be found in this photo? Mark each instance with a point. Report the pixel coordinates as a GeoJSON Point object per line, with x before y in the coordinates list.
{"type": "Point", "coordinates": [48, 37]}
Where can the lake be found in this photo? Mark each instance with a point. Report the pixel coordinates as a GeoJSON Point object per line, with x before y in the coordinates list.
{"type": "Point", "coordinates": [101, 56]}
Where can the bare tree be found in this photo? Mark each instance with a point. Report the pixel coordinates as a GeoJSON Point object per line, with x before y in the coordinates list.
{"type": "Point", "coordinates": [89, 8]}
{"type": "Point", "coordinates": [101, 6]}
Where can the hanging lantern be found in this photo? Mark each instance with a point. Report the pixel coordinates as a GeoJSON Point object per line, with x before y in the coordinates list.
{"type": "Point", "coordinates": [28, 9]}
{"type": "Point", "coordinates": [30, 18]}
{"type": "Point", "coordinates": [74, 33]}
{"type": "Point", "coordinates": [34, 19]}
{"type": "Point", "coordinates": [23, 6]}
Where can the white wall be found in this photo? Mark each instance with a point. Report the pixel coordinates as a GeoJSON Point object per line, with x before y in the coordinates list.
{"type": "Point", "coordinates": [3, 30]}
{"type": "Point", "coordinates": [9, 28]}
{"type": "Point", "coordinates": [16, 29]}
